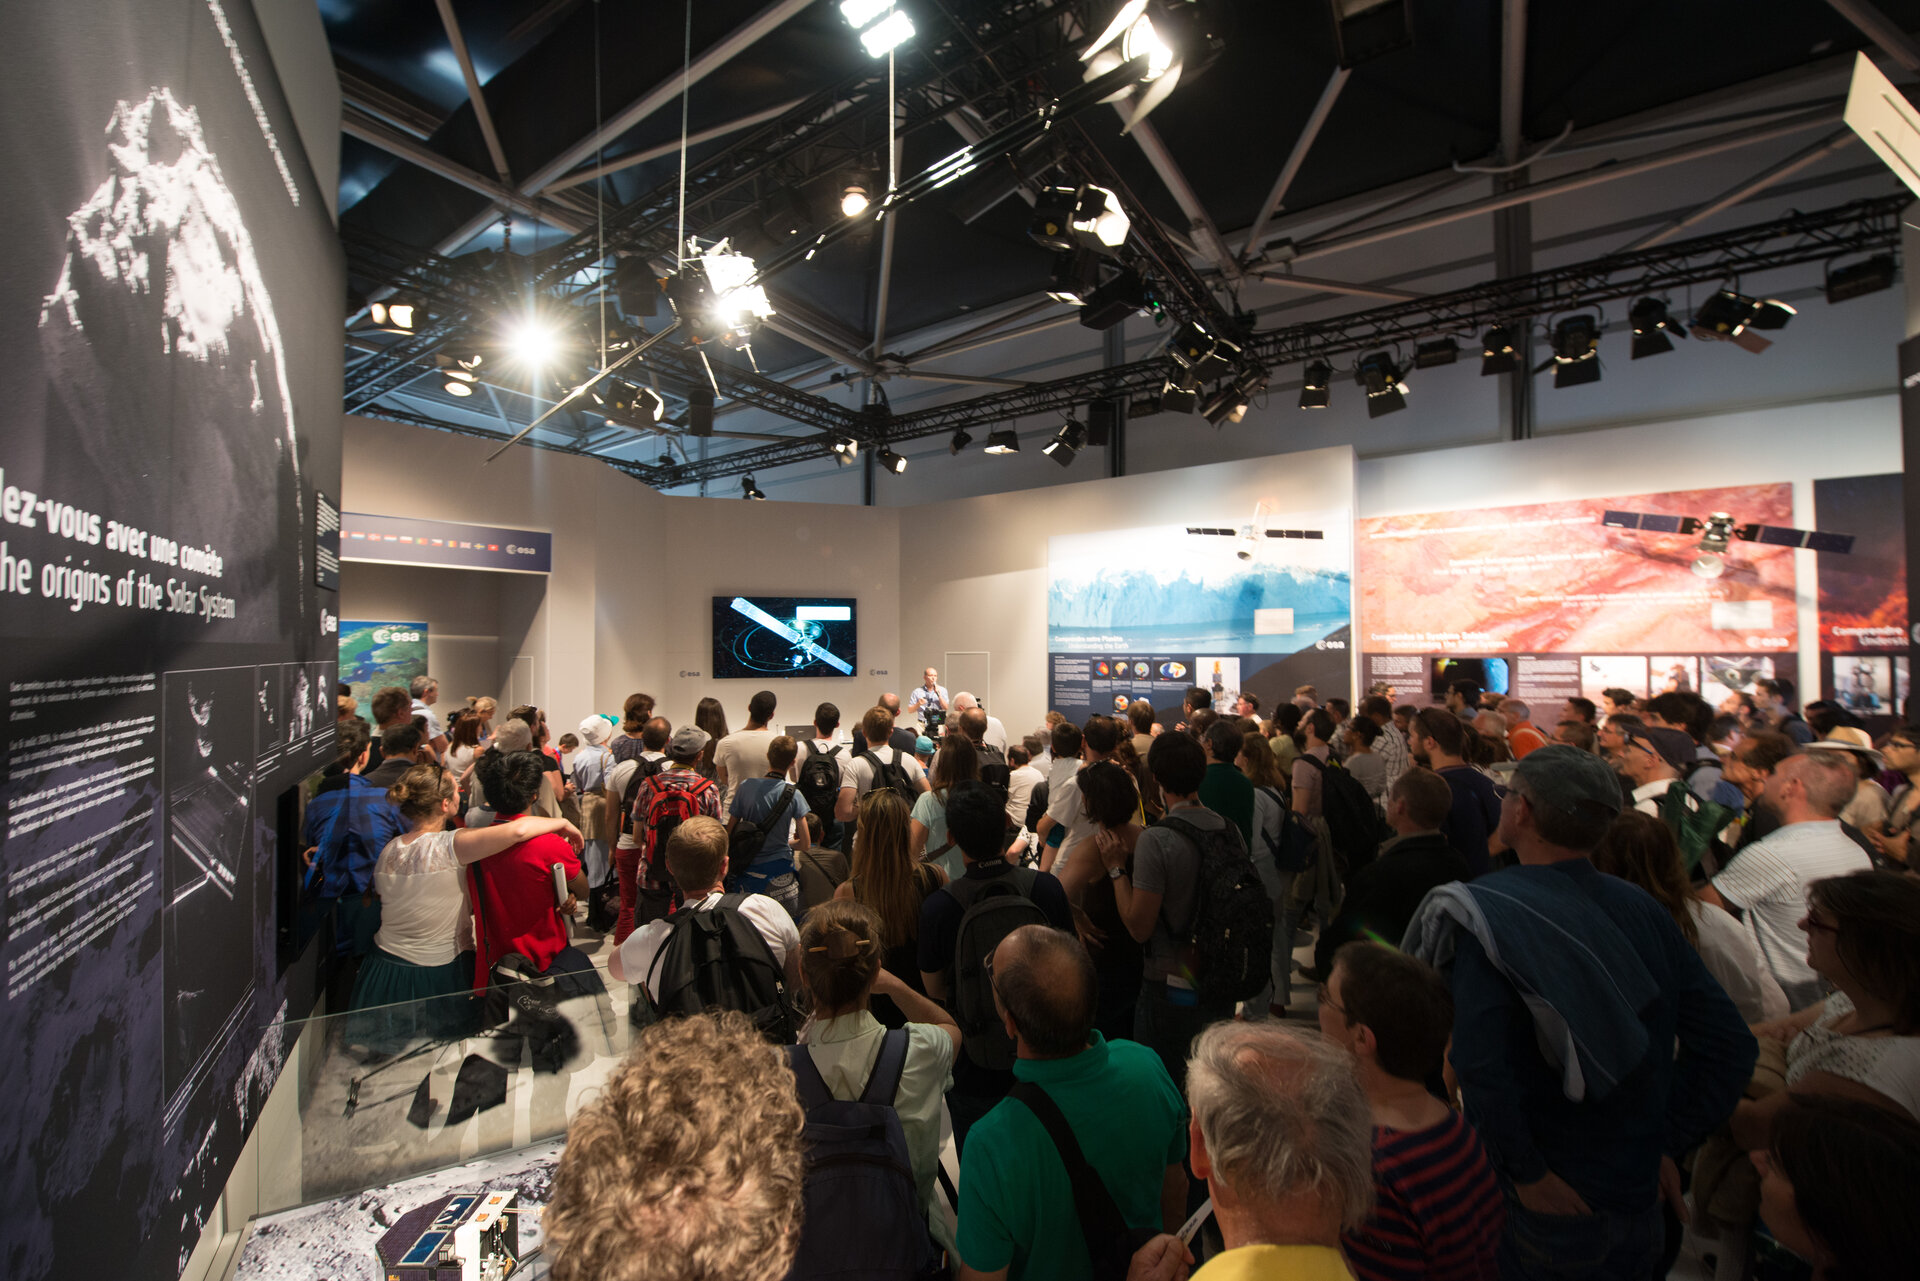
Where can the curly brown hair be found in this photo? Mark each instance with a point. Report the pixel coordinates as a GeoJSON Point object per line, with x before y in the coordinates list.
{"type": "Point", "coordinates": [686, 1166]}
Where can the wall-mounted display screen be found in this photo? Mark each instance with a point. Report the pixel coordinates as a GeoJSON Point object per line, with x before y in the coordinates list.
{"type": "Point", "coordinates": [755, 637]}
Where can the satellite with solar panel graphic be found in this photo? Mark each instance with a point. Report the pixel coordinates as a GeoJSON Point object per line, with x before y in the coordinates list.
{"type": "Point", "coordinates": [469, 1236]}
{"type": "Point", "coordinates": [1718, 532]}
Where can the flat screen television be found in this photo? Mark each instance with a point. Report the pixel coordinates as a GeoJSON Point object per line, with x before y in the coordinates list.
{"type": "Point", "coordinates": [756, 637]}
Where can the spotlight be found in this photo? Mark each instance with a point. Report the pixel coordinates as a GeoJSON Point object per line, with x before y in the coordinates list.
{"type": "Point", "coordinates": [751, 491]}
{"type": "Point", "coordinates": [1119, 298]}
{"type": "Point", "coordinates": [1230, 403]}
{"type": "Point", "coordinates": [1316, 385]}
{"type": "Point", "coordinates": [629, 404]}
{"type": "Point", "coordinates": [1169, 36]}
{"type": "Point", "coordinates": [1181, 397]}
{"type": "Point", "coordinates": [533, 343]}
{"type": "Point", "coordinates": [961, 439]}
{"type": "Point", "coordinates": [1771, 313]}
{"type": "Point", "coordinates": [1366, 29]}
{"type": "Point", "coordinates": [1004, 441]}
{"type": "Point", "coordinates": [846, 450]}
{"type": "Point", "coordinates": [1201, 353]}
{"type": "Point", "coordinates": [1497, 352]}
{"type": "Point", "coordinates": [712, 295]}
{"type": "Point", "coordinates": [1076, 274]}
{"type": "Point", "coordinates": [885, 35]}
{"type": "Point", "coordinates": [859, 13]}
{"type": "Point", "coordinates": [1378, 373]}
{"type": "Point", "coordinates": [855, 199]}
{"type": "Point", "coordinates": [1576, 352]}
{"type": "Point", "coordinates": [891, 461]}
{"type": "Point", "coordinates": [1860, 278]}
{"type": "Point", "coordinates": [1067, 443]}
{"type": "Point", "coordinates": [459, 373]}
{"type": "Point", "coordinates": [393, 318]}
{"type": "Point", "coordinates": [1432, 355]}
{"type": "Point", "coordinates": [1086, 217]}
{"type": "Point", "coordinates": [1653, 328]}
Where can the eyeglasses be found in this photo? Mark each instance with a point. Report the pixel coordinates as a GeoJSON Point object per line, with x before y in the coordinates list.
{"type": "Point", "coordinates": [1811, 924]}
{"type": "Point", "coordinates": [1900, 743]}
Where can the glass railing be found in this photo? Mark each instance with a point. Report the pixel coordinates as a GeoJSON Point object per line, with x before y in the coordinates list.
{"type": "Point", "coordinates": [391, 1091]}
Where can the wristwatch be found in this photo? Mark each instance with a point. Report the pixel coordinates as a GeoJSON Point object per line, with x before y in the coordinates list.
{"type": "Point", "coordinates": [1115, 873]}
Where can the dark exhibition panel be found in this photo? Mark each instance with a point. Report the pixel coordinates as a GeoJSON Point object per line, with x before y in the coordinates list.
{"type": "Point", "coordinates": [172, 442]}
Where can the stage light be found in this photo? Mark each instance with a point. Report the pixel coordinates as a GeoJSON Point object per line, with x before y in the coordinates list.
{"type": "Point", "coordinates": [1088, 217]}
{"type": "Point", "coordinates": [1860, 278]}
{"type": "Point", "coordinates": [961, 439]}
{"type": "Point", "coordinates": [1067, 443]}
{"type": "Point", "coordinates": [1170, 38]}
{"type": "Point", "coordinates": [846, 450]}
{"type": "Point", "coordinates": [1576, 351]}
{"type": "Point", "coordinates": [1180, 397]}
{"type": "Point", "coordinates": [1497, 352]}
{"type": "Point", "coordinates": [1726, 315]}
{"type": "Point", "coordinates": [1653, 328]}
{"type": "Point", "coordinates": [1076, 274]}
{"type": "Point", "coordinates": [630, 404]}
{"type": "Point", "coordinates": [750, 491]}
{"type": "Point", "coordinates": [1230, 403]}
{"type": "Point", "coordinates": [1386, 393]}
{"type": "Point", "coordinates": [855, 199]}
{"type": "Point", "coordinates": [1119, 298]}
{"type": "Point", "coordinates": [533, 343]}
{"type": "Point", "coordinates": [459, 373]}
{"type": "Point", "coordinates": [1133, 27]}
{"type": "Point", "coordinates": [1004, 441]}
{"type": "Point", "coordinates": [891, 461]}
{"type": "Point", "coordinates": [393, 318]}
{"type": "Point", "coordinates": [1203, 354]}
{"type": "Point", "coordinates": [859, 13]}
{"type": "Point", "coordinates": [1316, 385]}
{"type": "Point", "coordinates": [714, 297]}
{"type": "Point", "coordinates": [1432, 355]}
{"type": "Point", "coordinates": [887, 34]}
{"type": "Point", "coordinates": [1771, 313]}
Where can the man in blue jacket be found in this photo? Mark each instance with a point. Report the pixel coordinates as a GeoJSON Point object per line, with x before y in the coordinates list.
{"type": "Point", "coordinates": [1592, 1047]}
{"type": "Point", "coordinates": [349, 821]}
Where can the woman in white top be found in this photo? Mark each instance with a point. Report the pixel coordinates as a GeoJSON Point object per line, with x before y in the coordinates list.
{"type": "Point", "coordinates": [1640, 848]}
{"type": "Point", "coordinates": [841, 946]}
{"type": "Point", "coordinates": [420, 971]}
{"type": "Point", "coordinates": [1863, 1042]}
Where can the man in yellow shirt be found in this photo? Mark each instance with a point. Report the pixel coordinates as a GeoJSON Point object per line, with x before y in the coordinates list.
{"type": "Point", "coordinates": [1282, 1133]}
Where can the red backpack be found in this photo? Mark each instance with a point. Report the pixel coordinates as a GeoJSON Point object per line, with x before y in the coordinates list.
{"type": "Point", "coordinates": [673, 803]}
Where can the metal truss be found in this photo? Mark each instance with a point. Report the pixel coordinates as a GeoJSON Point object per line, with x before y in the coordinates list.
{"type": "Point", "coordinates": [1859, 227]}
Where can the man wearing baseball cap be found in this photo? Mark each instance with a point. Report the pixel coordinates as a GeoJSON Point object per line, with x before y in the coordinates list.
{"type": "Point", "coordinates": [1571, 992]}
{"type": "Point", "coordinates": [1652, 760]}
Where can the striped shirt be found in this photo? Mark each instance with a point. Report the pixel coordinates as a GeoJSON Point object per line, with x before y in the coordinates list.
{"type": "Point", "coordinates": [1437, 1211]}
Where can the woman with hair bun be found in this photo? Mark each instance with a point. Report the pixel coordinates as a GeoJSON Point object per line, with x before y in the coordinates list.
{"type": "Point", "coordinates": [424, 948]}
{"type": "Point", "coordinates": [841, 944]}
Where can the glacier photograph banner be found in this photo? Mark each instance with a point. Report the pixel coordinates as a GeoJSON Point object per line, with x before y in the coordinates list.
{"type": "Point", "coordinates": [1256, 606]}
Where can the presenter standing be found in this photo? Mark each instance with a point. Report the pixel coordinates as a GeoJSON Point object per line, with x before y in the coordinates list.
{"type": "Point", "coordinates": [931, 696]}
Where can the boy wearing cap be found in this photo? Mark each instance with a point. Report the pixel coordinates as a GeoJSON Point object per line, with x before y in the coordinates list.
{"type": "Point", "coordinates": [1576, 1086]}
{"type": "Point", "coordinates": [683, 753]}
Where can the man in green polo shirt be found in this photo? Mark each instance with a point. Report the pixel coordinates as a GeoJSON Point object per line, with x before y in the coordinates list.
{"type": "Point", "coordinates": [1225, 790]}
{"type": "Point", "coordinates": [1017, 1215]}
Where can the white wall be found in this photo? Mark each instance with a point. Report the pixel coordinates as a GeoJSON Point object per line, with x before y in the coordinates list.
{"type": "Point", "coordinates": [304, 68]}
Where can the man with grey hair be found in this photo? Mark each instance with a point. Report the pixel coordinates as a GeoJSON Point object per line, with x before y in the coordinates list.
{"type": "Point", "coordinates": [1018, 1204]}
{"type": "Point", "coordinates": [1522, 735]}
{"type": "Point", "coordinates": [904, 737]}
{"type": "Point", "coordinates": [1768, 879]}
{"type": "Point", "coordinates": [1283, 1135]}
{"type": "Point", "coordinates": [426, 692]}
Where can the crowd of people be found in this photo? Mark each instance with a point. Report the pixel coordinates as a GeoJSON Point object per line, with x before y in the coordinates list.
{"type": "Point", "coordinates": [1573, 992]}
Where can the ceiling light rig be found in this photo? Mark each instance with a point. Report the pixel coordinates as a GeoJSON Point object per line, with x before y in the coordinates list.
{"type": "Point", "coordinates": [961, 439]}
{"type": "Point", "coordinates": [459, 372]}
{"type": "Point", "coordinates": [883, 25]}
{"type": "Point", "coordinates": [1380, 374]}
{"type": "Point", "coordinates": [1576, 352]}
{"type": "Point", "coordinates": [1231, 402]}
{"type": "Point", "coordinates": [855, 197]}
{"type": "Point", "coordinates": [1730, 316]}
{"type": "Point", "coordinates": [1172, 38]}
{"type": "Point", "coordinates": [1004, 441]}
{"type": "Point", "coordinates": [1067, 442]}
{"type": "Point", "coordinates": [750, 491]}
{"type": "Point", "coordinates": [717, 296]}
{"type": "Point", "coordinates": [1499, 353]}
{"type": "Point", "coordinates": [893, 462]}
{"type": "Point", "coordinates": [1316, 385]}
{"type": "Point", "coordinates": [1653, 328]}
{"type": "Point", "coordinates": [846, 450]}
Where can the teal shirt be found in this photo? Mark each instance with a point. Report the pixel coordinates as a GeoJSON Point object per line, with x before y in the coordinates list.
{"type": "Point", "coordinates": [1229, 793]}
{"type": "Point", "coordinates": [1016, 1205]}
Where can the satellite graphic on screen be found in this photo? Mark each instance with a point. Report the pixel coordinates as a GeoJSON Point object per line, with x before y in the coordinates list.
{"type": "Point", "coordinates": [782, 636]}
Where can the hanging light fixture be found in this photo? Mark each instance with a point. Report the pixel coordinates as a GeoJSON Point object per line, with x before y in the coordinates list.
{"type": "Point", "coordinates": [1653, 328]}
{"type": "Point", "coordinates": [961, 439]}
{"type": "Point", "coordinates": [893, 462]}
{"type": "Point", "coordinates": [1576, 352]}
{"type": "Point", "coordinates": [1316, 385]}
{"type": "Point", "coordinates": [751, 491]}
{"type": "Point", "coordinates": [1004, 441]}
{"type": "Point", "coordinates": [1498, 353]}
{"type": "Point", "coordinates": [846, 450]}
{"type": "Point", "coordinates": [1381, 376]}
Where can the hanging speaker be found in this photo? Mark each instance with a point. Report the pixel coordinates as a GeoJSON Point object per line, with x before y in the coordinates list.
{"type": "Point", "coordinates": [1101, 418]}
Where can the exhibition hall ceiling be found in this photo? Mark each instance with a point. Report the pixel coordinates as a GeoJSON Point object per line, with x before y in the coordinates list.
{"type": "Point", "coordinates": [575, 160]}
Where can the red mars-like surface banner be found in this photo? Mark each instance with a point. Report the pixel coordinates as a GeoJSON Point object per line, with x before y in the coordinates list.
{"type": "Point", "coordinates": [1549, 578]}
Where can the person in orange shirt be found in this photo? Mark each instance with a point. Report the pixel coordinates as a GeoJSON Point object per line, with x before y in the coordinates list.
{"type": "Point", "coordinates": [1522, 737]}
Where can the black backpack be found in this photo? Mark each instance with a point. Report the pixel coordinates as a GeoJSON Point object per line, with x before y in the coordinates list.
{"type": "Point", "coordinates": [1294, 846]}
{"type": "Point", "coordinates": [1231, 936]}
{"type": "Point", "coordinates": [862, 1217]}
{"type": "Point", "coordinates": [820, 780]}
{"type": "Point", "coordinates": [994, 770]}
{"type": "Point", "coordinates": [991, 909]}
{"type": "Point", "coordinates": [750, 835]}
{"type": "Point", "coordinates": [1354, 826]}
{"type": "Point", "coordinates": [715, 959]}
{"type": "Point", "coordinates": [892, 774]}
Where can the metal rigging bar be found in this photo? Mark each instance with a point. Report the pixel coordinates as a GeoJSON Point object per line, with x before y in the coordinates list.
{"type": "Point", "coordinates": [1798, 238]}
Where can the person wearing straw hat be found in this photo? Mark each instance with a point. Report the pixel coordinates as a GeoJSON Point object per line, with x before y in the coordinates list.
{"type": "Point", "coordinates": [1868, 809]}
{"type": "Point", "coordinates": [1902, 751]}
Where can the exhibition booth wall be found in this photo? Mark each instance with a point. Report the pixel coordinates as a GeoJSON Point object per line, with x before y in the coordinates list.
{"type": "Point", "coordinates": [964, 584]}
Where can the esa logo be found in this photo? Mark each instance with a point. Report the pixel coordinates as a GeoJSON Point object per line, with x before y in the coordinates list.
{"type": "Point", "coordinates": [387, 636]}
{"type": "Point", "coordinates": [329, 625]}
{"type": "Point", "coordinates": [513, 549]}
{"type": "Point", "coordinates": [1329, 644]}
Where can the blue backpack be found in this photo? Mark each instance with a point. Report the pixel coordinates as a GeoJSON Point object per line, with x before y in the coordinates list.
{"type": "Point", "coordinates": [862, 1219]}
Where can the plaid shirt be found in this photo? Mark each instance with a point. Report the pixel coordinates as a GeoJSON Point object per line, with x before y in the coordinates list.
{"type": "Point", "coordinates": [675, 778]}
{"type": "Point", "coordinates": [1392, 750]}
{"type": "Point", "coordinates": [350, 821]}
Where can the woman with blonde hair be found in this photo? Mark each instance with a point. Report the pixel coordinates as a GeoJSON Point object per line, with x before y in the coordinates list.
{"type": "Point", "coordinates": [890, 882]}
{"type": "Point", "coordinates": [841, 946]}
{"type": "Point", "coordinates": [482, 709]}
{"type": "Point", "coordinates": [956, 761]}
{"type": "Point", "coordinates": [1640, 848]}
{"type": "Point", "coordinates": [424, 949]}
